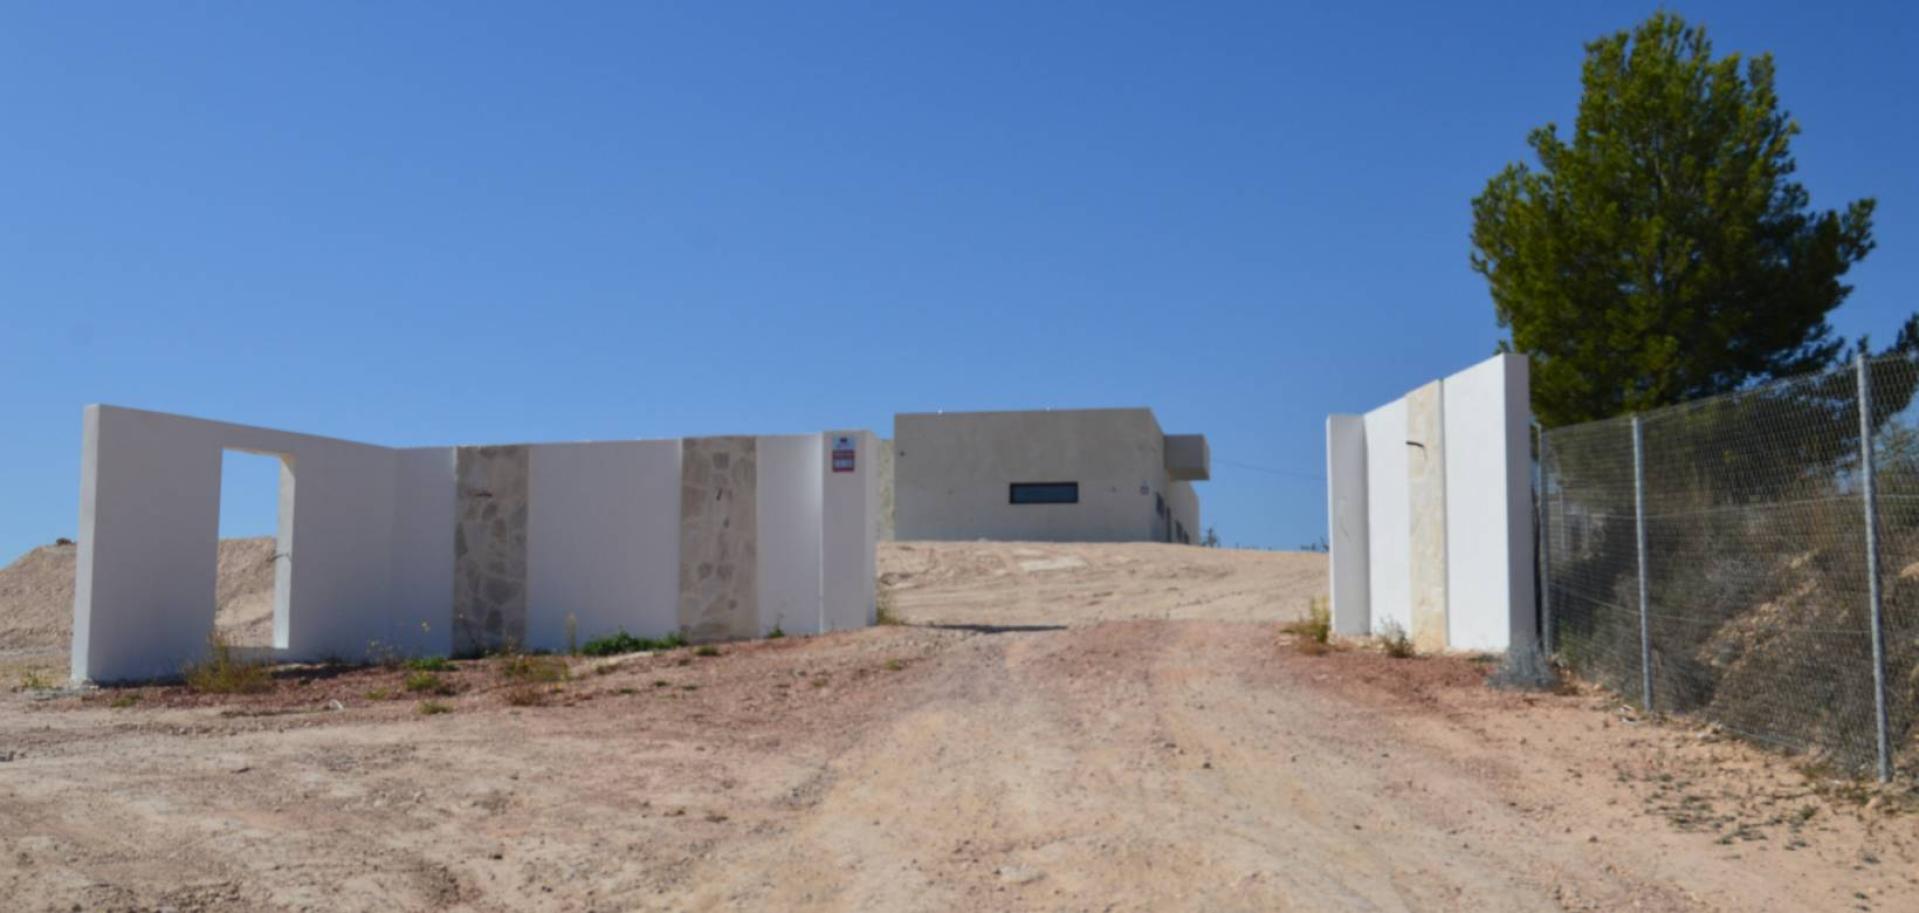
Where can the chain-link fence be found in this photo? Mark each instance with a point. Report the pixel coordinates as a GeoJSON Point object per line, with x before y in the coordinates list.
{"type": "Point", "coordinates": [1713, 558]}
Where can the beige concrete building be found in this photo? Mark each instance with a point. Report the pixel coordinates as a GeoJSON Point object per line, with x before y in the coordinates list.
{"type": "Point", "coordinates": [1076, 475]}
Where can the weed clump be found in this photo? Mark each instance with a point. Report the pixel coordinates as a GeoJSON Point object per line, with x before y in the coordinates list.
{"type": "Point", "coordinates": [884, 611]}
{"type": "Point", "coordinates": [1313, 635]}
{"type": "Point", "coordinates": [523, 667]}
{"type": "Point", "coordinates": [433, 708]}
{"type": "Point", "coordinates": [226, 671]}
{"type": "Point", "coordinates": [1398, 644]}
{"type": "Point", "coordinates": [706, 650]}
{"type": "Point", "coordinates": [615, 644]}
{"type": "Point", "coordinates": [430, 664]}
{"type": "Point", "coordinates": [423, 682]}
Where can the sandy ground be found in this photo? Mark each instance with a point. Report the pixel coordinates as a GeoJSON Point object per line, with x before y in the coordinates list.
{"type": "Point", "coordinates": [1003, 751]}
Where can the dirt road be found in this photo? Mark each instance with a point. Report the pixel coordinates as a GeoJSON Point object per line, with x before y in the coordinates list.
{"type": "Point", "coordinates": [1058, 764]}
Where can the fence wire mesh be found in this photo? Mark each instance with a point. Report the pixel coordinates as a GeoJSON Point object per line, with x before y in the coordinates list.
{"type": "Point", "coordinates": [1758, 606]}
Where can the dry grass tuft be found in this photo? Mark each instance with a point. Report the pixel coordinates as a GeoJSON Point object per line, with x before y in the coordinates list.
{"type": "Point", "coordinates": [1397, 643]}
{"type": "Point", "coordinates": [225, 671]}
{"type": "Point", "coordinates": [1313, 635]}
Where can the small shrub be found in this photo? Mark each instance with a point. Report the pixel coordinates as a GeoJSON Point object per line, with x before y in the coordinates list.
{"type": "Point", "coordinates": [123, 701]}
{"type": "Point", "coordinates": [430, 664]}
{"type": "Point", "coordinates": [885, 613]}
{"type": "Point", "coordinates": [775, 634]}
{"type": "Point", "coordinates": [1398, 644]}
{"type": "Point", "coordinates": [423, 682]}
{"type": "Point", "coordinates": [615, 644]}
{"type": "Point", "coordinates": [629, 691]}
{"type": "Point", "coordinates": [706, 650]}
{"type": "Point", "coordinates": [225, 671]}
{"type": "Point", "coordinates": [433, 708]}
{"type": "Point", "coordinates": [35, 680]}
{"type": "Point", "coordinates": [63, 541]}
{"type": "Point", "coordinates": [894, 665]}
{"type": "Point", "coordinates": [1313, 634]}
{"type": "Point", "coordinates": [522, 667]}
{"type": "Point", "coordinates": [379, 694]}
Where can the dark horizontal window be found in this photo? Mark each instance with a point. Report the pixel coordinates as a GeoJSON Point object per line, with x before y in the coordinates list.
{"type": "Point", "coordinates": [1045, 493]}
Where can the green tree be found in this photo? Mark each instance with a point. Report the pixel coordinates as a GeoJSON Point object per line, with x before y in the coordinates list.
{"type": "Point", "coordinates": [1664, 253]}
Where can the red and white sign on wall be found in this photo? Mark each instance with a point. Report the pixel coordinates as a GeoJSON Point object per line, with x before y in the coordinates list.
{"type": "Point", "coordinates": [843, 453]}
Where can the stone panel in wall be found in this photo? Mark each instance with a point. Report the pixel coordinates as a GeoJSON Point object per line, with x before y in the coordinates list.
{"type": "Point", "coordinates": [1426, 488]}
{"type": "Point", "coordinates": [489, 549]}
{"type": "Point", "coordinates": [719, 527]}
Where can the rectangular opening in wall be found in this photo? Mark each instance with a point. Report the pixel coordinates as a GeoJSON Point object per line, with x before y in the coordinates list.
{"type": "Point", "coordinates": [255, 559]}
{"type": "Point", "coordinates": [1045, 493]}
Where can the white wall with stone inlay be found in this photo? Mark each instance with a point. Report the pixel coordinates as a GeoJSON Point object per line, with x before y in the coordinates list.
{"type": "Point", "coordinates": [590, 532]}
{"type": "Point", "coordinates": [1445, 519]}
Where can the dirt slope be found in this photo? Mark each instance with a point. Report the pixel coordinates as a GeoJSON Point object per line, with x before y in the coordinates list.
{"type": "Point", "coordinates": [36, 596]}
{"type": "Point", "coordinates": [1042, 583]}
{"type": "Point", "coordinates": [1064, 763]}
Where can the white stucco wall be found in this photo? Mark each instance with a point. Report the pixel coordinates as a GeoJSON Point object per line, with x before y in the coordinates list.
{"type": "Point", "coordinates": [1346, 524]}
{"type": "Point", "coordinates": [849, 562]}
{"type": "Point", "coordinates": [1489, 505]}
{"type": "Point", "coordinates": [790, 525]}
{"type": "Point", "coordinates": [149, 527]}
{"type": "Point", "coordinates": [602, 540]}
{"type": "Point", "coordinates": [369, 534]}
{"type": "Point", "coordinates": [421, 559]}
{"type": "Point", "coordinates": [1388, 518]}
{"type": "Point", "coordinates": [1474, 510]}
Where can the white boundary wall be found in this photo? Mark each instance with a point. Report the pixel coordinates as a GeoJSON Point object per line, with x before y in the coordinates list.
{"type": "Point", "coordinates": [603, 540]}
{"type": "Point", "coordinates": [368, 539]}
{"type": "Point", "coordinates": [1487, 517]}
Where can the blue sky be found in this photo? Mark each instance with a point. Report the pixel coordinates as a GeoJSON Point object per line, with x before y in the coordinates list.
{"type": "Point", "coordinates": [462, 224]}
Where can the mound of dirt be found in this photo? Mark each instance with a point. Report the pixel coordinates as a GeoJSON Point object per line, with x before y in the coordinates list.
{"type": "Point", "coordinates": [36, 595]}
{"type": "Point", "coordinates": [1068, 583]}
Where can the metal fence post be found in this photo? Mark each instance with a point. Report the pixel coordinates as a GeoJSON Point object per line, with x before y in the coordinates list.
{"type": "Point", "coordinates": [1542, 518]}
{"type": "Point", "coordinates": [1639, 521]}
{"type": "Point", "coordinates": [1876, 606]}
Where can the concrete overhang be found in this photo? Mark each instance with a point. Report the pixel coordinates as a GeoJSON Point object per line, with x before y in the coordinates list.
{"type": "Point", "coordinates": [1188, 458]}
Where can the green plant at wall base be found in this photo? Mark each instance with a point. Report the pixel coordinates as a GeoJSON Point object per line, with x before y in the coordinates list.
{"type": "Point", "coordinates": [1397, 643]}
{"type": "Point", "coordinates": [523, 667]}
{"type": "Point", "coordinates": [423, 682]}
{"type": "Point", "coordinates": [615, 644]}
{"type": "Point", "coordinates": [775, 634]}
{"type": "Point", "coordinates": [225, 671]}
{"type": "Point", "coordinates": [430, 664]}
{"type": "Point", "coordinates": [35, 680]}
{"type": "Point", "coordinates": [706, 650]}
{"type": "Point", "coordinates": [1314, 633]}
{"type": "Point", "coordinates": [886, 614]}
